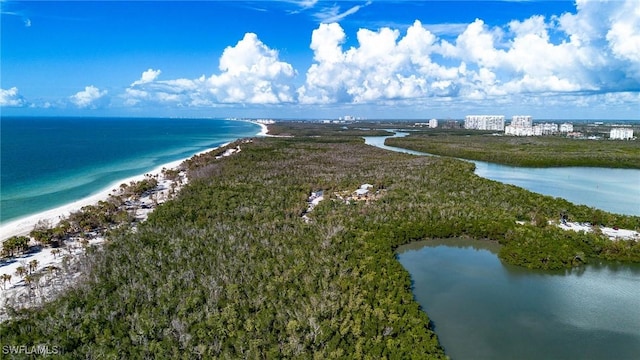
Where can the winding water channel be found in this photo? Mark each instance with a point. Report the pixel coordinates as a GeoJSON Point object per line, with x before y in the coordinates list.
{"type": "Point", "coordinates": [484, 309]}
{"type": "Point", "coordinates": [613, 190]}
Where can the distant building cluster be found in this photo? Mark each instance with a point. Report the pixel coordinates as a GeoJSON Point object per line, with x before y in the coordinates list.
{"type": "Point", "coordinates": [432, 124]}
{"type": "Point", "coordinates": [265, 121]}
{"type": "Point", "coordinates": [545, 129]}
{"type": "Point", "coordinates": [335, 121]}
{"type": "Point", "coordinates": [522, 125]}
{"type": "Point", "coordinates": [621, 134]}
{"type": "Point", "coordinates": [566, 128]}
{"type": "Point", "coordinates": [484, 122]}
{"type": "Point", "coordinates": [521, 121]}
{"type": "Point", "coordinates": [349, 118]}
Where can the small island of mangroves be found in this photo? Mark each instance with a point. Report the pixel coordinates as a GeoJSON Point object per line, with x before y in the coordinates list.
{"type": "Point", "coordinates": [230, 269]}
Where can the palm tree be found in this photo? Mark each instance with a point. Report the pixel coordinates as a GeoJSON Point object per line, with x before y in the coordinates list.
{"type": "Point", "coordinates": [28, 280]}
{"type": "Point", "coordinates": [21, 271]}
{"type": "Point", "coordinates": [5, 278]}
{"type": "Point", "coordinates": [33, 265]}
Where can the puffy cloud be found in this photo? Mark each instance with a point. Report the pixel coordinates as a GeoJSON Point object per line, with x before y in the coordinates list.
{"type": "Point", "coordinates": [250, 73]}
{"type": "Point", "coordinates": [11, 98]}
{"type": "Point", "coordinates": [624, 35]}
{"type": "Point", "coordinates": [90, 97]}
{"type": "Point", "coordinates": [477, 44]}
{"type": "Point", "coordinates": [383, 67]}
{"type": "Point", "coordinates": [605, 36]}
{"type": "Point", "coordinates": [147, 77]}
{"type": "Point", "coordinates": [595, 50]}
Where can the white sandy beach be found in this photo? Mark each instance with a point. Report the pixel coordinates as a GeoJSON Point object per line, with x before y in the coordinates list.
{"type": "Point", "coordinates": [56, 269]}
{"type": "Point", "coordinates": [23, 226]}
{"type": "Point", "coordinates": [264, 130]}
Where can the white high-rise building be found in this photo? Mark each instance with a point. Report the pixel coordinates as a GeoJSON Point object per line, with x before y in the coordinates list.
{"type": "Point", "coordinates": [518, 131]}
{"type": "Point", "coordinates": [484, 122]}
{"type": "Point", "coordinates": [523, 121]}
{"type": "Point", "coordinates": [621, 134]}
{"type": "Point", "coordinates": [521, 125]}
{"type": "Point", "coordinates": [566, 128]}
{"type": "Point", "coordinates": [433, 123]}
{"type": "Point", "coordinates": [545, 129]}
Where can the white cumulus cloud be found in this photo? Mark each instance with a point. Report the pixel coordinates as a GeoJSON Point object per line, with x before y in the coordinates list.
{"type": "Point", "coordinates": [594, 50]}
{"type": "Point", "coordinates": [384, 66]}
{"type": "Point", "coordinates": [11, 98]}
{"type": "Point", "coordinates": [90, 97]}
{"type": "Point", "coordinates": [250, 73]}
{"type": "Point", "coordinates": [147, 77]}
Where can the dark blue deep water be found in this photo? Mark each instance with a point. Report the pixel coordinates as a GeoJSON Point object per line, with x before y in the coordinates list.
{"type": "Point", "coordinates": [49, 162]}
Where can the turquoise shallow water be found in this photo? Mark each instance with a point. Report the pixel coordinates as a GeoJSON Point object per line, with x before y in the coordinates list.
{"type": "Point", "coordinates": [49, 162]}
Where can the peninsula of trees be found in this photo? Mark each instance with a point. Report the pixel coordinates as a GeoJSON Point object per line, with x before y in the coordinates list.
{"type": "Point", "coordinates": [551, 151]}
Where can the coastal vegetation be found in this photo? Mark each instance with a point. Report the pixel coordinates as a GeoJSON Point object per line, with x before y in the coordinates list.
{"type": "Point", "coordinates": [538, 151]}
{"type": "Point", "coordinates": [229, 269]}
{"type": "Point", "coordinates": [314, 129]}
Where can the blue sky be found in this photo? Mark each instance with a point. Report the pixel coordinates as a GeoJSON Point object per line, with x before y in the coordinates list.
{"type": "Point", "coordinates": [317, 59]}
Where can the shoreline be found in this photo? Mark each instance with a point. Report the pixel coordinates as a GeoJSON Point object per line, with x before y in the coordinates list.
{"type": "Point", "coordinates": [52, 270]}
{"type": "Point", "coordinates": [264, 130]}
{"type": "Point", "coordinates": [22, 226]}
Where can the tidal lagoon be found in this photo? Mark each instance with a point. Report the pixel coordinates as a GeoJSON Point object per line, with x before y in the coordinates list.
{"type": "Point", "coordinates": [484, 309]}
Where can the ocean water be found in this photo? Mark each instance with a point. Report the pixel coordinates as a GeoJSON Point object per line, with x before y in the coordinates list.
{"type": "Point", "coordinates": [49, 162]}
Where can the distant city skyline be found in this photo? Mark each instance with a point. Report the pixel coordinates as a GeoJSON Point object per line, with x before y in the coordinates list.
{"type": "Point", "coordinates": [314, 59]}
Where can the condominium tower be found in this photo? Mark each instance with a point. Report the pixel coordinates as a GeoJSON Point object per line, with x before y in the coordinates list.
{"type": "Point", "coordinates": [484, 122]}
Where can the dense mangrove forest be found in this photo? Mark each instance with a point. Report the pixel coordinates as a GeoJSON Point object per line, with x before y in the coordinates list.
{"type": "Point", "coordinates": [229, 269]}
